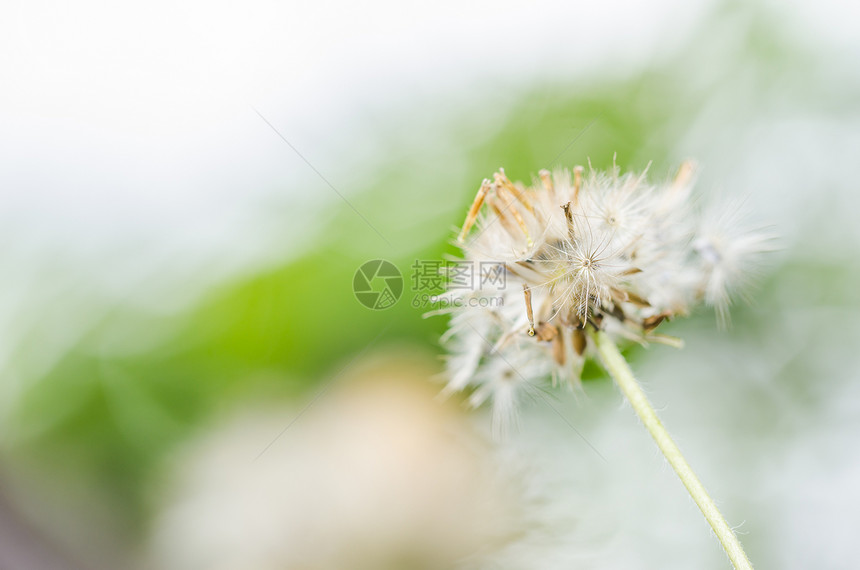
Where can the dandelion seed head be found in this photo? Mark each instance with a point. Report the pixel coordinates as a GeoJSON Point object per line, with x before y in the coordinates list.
{"type": "Point", "coordinates": [595, 250]}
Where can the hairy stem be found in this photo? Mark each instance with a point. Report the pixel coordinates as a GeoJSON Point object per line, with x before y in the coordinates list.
{"type": "Point", "coordinates": [615, 364]}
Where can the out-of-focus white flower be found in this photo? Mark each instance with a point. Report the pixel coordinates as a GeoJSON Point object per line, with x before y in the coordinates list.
{"type": "Point", "coordinates": [604, 250]}
{"type": "Point", "coordinates": [376, 476]}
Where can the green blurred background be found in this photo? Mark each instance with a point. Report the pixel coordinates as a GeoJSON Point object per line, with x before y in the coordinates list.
{"type": "Point", "coordinates": [104, 388]}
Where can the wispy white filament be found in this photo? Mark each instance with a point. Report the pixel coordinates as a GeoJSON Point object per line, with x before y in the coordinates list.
{"type": "Point", "coordinates": [596, 251]}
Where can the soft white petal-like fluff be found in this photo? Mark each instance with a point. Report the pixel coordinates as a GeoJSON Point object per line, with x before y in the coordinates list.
{"type": "Point", "coordinates": [603, 251]}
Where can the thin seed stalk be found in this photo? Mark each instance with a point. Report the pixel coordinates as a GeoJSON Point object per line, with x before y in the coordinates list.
{"type": "Point", "coordinates": [620, 371]}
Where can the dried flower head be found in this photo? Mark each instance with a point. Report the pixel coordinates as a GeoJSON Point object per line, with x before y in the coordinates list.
{"type": "Point", "coordinates": [598, 250]}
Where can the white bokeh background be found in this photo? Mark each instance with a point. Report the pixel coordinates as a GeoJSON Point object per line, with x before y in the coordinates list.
{"type": "Point", "coordinates": [130, 144]}
{"type": "Point", "coordinates": [134, 167]}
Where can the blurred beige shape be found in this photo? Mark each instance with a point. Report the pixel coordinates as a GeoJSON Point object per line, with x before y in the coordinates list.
{"type": "Point", "coordinates": [376, 474]}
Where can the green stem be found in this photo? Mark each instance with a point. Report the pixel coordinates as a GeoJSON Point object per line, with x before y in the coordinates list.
{"type": "Point", "coordinates": [614, 362]}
